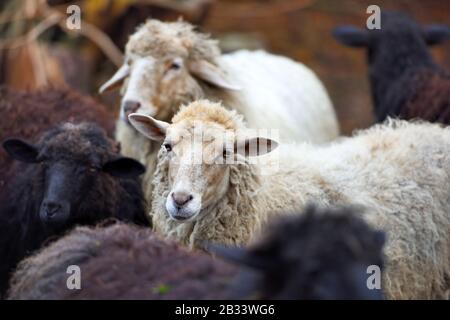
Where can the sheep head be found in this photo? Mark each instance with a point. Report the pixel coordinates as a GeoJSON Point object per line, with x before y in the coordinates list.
{"type": "Point", "coordinates": [68, 164]}
{"type": "Point", "coordinates": [396, 28]}
{"type": "Point", "coordinates": [166, 65]}
{"type": "Point", "coordinates": [201, 144]}
{"type": "Point", "coordinates": [316, 254]}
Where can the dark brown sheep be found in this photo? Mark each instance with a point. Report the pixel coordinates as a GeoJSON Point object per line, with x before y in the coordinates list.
{"type": "Point", "coordinates": [315, 255]}
{"type": "Point", "coordinates": [121, 262]}
{"type": "Point", "coordinates": [28, 114]}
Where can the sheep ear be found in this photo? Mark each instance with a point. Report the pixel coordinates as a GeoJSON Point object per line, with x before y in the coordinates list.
{"type": "Point", "coordinates": [380, 238]}
{"type": "Point", "coordinates": [330, 285]}
{"type": "Point", "coordinates": [241, 257]}
{"type": "Point", "coordinates": [257, 146]}
{"type": "Point", "coordinates": [351, 36]}
{"type": "Point", "coordinates": [210, 73]}
{"type": "Point", "coordinates": [436, 34]}
{"type": "Point", "coordinates": [148, 126]}
{"type": "Point", "coordinates": [236, 255]}
{"type": "Point", "coordinates": [116, 80]}
{"type": "Point", "coordinates": [124, 167]}
{"type": "Point", "coordinates": [21, 150]}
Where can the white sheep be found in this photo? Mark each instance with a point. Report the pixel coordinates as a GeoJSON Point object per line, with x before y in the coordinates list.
{"type": "Point", "coordinates": [168, 64]}
{"type": "Point", "coordinates": [398, 171]}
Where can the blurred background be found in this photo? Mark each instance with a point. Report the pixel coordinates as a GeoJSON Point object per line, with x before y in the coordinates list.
{"type": "Point", "coordinates": [37, 49]}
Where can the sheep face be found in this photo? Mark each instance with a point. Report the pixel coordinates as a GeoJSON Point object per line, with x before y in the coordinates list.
{"type": "Point", "coordinates": [166, 65]}
{"type": "Point", "coordinates": [158, 86]}
{"type": "Point", "coordinates": [196, 173]}
{"type": "Point", "coordinates": [199, 155]}
{"type": "Point", "coordinates": [396, 28]}
{"type": "Point", "coordinates": [68, 164]}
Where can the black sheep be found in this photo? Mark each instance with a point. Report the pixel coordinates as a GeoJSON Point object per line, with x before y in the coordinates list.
{"type": "Point", "coordinates": [405, 80]}
{"type": "Point", "coordinates": [318, 255]}
{"type": "Point", "coordinates": [73, 176]}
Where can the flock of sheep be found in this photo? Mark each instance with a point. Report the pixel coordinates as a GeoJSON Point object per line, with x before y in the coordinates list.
{"type": "Point", "coordinates": [305, 221]}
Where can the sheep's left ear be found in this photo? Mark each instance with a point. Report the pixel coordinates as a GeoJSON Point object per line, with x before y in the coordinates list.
{"type": "Point", "coordinates": [123, 167]}
{"type": "Point", "coordinates": [351, 36]}
{"type": "Point", "coordinates": [436, 34]}
{"type": "Point", "coordinates": [21, 150]}
{"type": "Point", "coordinates": [212, 74]}
{"type": "Point", "coordinates": [257, 146]}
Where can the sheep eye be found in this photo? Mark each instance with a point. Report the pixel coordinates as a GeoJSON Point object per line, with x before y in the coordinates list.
{"type": "Point", "coordinates": [168, 147]}
{"type": "Point", "coordinates": [175, 65]}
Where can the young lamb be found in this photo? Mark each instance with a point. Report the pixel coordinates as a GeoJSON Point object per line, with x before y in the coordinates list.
{"type": "Point", "coordinates": [73, 176]}
{"type": "Point", "coordinates": [127, 262]}
{"type": "Point", "coordinates": [406, 81]}
{"type": "Point", "coordinates": [168, 64]}
{"type": "Point", "coordinates": [47, 108]}
{"type": "Point", "coordinates": [398, 171]}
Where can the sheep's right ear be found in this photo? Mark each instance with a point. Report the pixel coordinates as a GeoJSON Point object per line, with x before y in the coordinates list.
{"type": "Point", "coordinates": [351, 36]}
{"type": "Point", "coordinates": [148, 126]}
{"type": "Point", "coordinates": [116, 80]}
{"type": "Point", "coordinates": [21, 150]}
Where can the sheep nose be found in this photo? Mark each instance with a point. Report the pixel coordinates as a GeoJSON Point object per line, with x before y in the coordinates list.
{"type": "Point", "coordinates": [131, 106]}
{"type": "Point", "coordinates": [52, 208]}
{"type": "Point", "coordinates": [181, 198]}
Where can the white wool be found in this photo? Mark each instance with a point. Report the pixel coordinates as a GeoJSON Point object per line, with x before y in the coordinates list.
{"type": "Point", "coordinates": [280, 93]}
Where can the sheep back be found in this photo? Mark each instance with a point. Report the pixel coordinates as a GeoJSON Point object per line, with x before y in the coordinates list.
{"type": "Point", "coordinates": [120, 262]}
